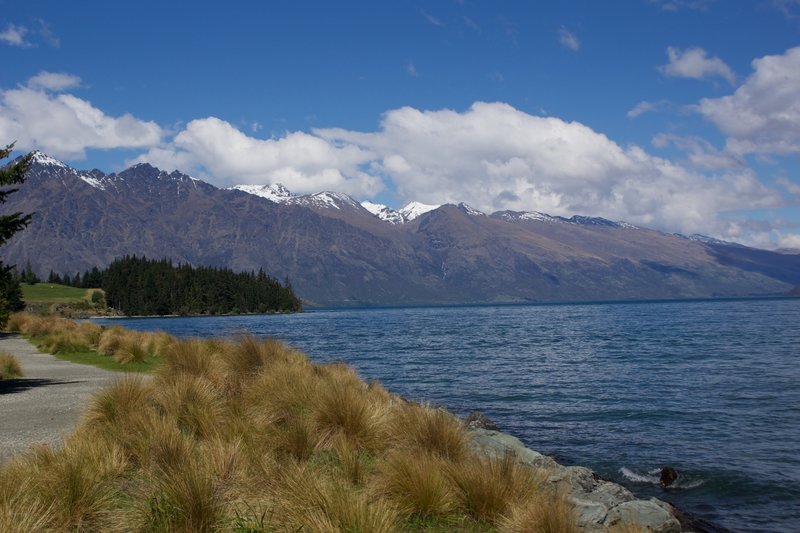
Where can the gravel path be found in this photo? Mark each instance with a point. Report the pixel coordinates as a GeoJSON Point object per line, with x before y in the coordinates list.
{"type": "Point", "coordinates": [45, 405]}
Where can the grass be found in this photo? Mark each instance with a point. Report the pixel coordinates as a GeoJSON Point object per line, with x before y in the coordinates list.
{"type": "Point", "coordinates": [54, 293]}
{"type": "Point", "coordinates": [91, 357]}
{"type": "Point", "coordinates": [112, 348]}
{"type": "Point", "coordinates": [9, 366]}
{"type": "Point", "coordinates": [250, 435]}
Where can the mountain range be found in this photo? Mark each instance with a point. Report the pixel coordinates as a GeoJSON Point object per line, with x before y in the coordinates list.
{"type": "Point", "coordinates": [337, 251]}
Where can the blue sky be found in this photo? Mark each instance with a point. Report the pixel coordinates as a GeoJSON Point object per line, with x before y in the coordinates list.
{"type": "Point", "coordinates": [683, 115]}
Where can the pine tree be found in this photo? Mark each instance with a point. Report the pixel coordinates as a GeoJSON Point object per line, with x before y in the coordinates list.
{"type": "Point", "coordinates": [12, 174]}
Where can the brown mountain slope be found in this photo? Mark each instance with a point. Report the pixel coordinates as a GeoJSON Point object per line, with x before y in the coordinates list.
{"type": "Point", "coordinates": [348, 256]}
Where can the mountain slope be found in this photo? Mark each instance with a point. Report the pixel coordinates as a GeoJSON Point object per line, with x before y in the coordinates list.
{"type": "Point", "coordinates": [337, 252]}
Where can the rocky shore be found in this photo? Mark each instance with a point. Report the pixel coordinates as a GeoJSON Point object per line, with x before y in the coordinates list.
{"type": "Point", "coordinates": [599, 504]}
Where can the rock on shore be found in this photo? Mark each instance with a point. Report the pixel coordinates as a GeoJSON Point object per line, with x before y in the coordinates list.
{"type": "Point", "coordinates": [599, 504]}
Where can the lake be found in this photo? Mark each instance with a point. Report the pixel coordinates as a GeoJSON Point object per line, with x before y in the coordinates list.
{"type": "Point", "coordinates": [711, 388]}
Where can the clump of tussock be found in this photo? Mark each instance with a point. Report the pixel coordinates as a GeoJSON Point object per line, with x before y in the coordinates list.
{"type": "Point", "coordinates": [9, 366]}
{"type": "Point", "coordinates": [416, 483]}
{"type": "Point", "coordinates": [193, 403]}
{"type": "Point", "coordinates": [543, 513]}
{"type": "Point", "coordinates": [115, 405]}
{"type": "Point", "coordinates": [187, 498]}
{"type": "Point", "coordinates": [347, 409]}
{"type": "Point", "coordinates": [16, 321]}
{"type": "Point", "coordinates": [307, 500]}
{"type": "Point", "coordinates": [63, 341]}
{"type": "Point", "coordinates": [73, 488]}
{"type": "Point", "coordinates": [110, 340]}
{"type": "Point", "coordinates": [286, 391]}
{"type": "Point", "coordinates": [486, 488]}
{"type": "Point", "coordinates": [191, 358]}
{"type": "Point", "coordinates": [435, 431]}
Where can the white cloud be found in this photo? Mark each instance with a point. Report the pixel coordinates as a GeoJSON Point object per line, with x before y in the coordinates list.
{"type": "Point", "coordinates": [54, 81]}
{"type": "Point", "coordinates": [648, 107]}
{"type": "Point", "coordinates": [412, 69]}
{"type": "Point", "coordinates": [495, 157]}
{"type": "Point", "coordinates": [695, 63]}
{"type": "Point", "coordinates": [790, 186]}
{"type": "Point", "coordinates": [701, 154]}
{"type": "Point", "coordinates": [790, 240]}
{"type": "Point", "coordinates": [15, 36]}
{"type": "Point", "coordinates": [430, 18]}
{"type": "Point", "coordinates": [226, 156]}
{"type": "Point", "coordinates": [64, 125]}
{"type": "Point", "coordinates": [568, 39]}
{"type": "Point", "coordinates": [763, 115]}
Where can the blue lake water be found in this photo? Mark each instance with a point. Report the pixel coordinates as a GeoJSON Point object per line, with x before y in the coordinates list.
{"type": "Point", "coordinates": [711, 388]}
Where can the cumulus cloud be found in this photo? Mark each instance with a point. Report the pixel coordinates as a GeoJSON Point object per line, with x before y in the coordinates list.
{"type": "Point", "coordinates": [568, 39]}
{"type": "Point", "coordinates": [763, 115]}
{"type": "Point", "coordinates": [15, 36]}
{"type": "Point", "coordinates": [305, 163]}
{"type": "Point", "coordinates": [495, 157]}
{"type": "Point", "coordinates": [39, 116]}
{"type": "Point", "coordinates": [54, 81]}
{"type": "Point", "coordinates": [695, 63]}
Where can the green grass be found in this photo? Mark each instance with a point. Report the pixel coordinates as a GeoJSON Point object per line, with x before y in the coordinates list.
{"type": "Point", "coordinates": [106, 362]}
{"type": "Point", "coordinates": [53, 293]}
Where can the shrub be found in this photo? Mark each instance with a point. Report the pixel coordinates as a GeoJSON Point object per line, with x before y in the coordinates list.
{"type": "Point", "coordinates": [9, 366]}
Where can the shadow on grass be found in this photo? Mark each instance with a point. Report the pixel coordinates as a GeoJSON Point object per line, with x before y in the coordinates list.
{"type": "Point", "coordinates": [10, 386]}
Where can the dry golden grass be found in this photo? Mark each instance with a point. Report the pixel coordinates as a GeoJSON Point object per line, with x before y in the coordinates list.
{"type": "Point", "coordinates": [9, 366]}
{"type": "Point", "coordinates": [416, 483]}
{"type": "Point", "coordinates": [436, 431]}
{"type": "Point", "coordinates": [541, 513]}
{"type": "Point", "coordinates": [487, 488]}
{"type": "Point", "coordinates": [252, 436]}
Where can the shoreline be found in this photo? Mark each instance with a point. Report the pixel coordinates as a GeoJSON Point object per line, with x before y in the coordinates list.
{"type": "Point", "coordinates": [599, 503]}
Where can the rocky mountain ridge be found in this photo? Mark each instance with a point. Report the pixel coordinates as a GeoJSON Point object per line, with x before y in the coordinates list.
{"type": "Point", "coordinates": [337, 251]}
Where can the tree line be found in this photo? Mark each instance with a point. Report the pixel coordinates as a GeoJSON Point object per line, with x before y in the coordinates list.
{"type": "Point", "coordinates": [140, 286]}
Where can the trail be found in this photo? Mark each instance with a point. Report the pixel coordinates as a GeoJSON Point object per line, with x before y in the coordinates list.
{"type": "Point", "coordinates": [44, 405]}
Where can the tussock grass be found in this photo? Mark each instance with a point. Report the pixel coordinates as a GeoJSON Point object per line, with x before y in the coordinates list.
{"type": "Point", "coordinates": [543, 513]}
{"type": "Point", "coordinates": [416, 484]}
{"type": "Point", "coordinates": [250, 435]}
{"type": "Point", "coordinates": [488, 487]}
{"type": "Point", "coordinates": [436, 431]}
{"type": "Point", "coordinates": [78, 342]}
{"type": "Point", "coordinates": [9, 366]}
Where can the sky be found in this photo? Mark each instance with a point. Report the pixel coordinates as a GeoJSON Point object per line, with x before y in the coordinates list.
{"type": "Point", "coordinates": [679, 115]}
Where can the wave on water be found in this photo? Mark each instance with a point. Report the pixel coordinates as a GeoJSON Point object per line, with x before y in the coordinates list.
{"type": "Point", "coordinates": [653, 477]}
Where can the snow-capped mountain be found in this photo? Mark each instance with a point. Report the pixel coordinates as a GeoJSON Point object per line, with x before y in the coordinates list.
{"type": "Point", "coordinates": [276, 193]}
{"type": "Point", "coordinates": [415, 209]}
{"type": "Point", "coordinates": [279, 194]}
{"type": "Point", "coordinates": [337, 251]}
{"type": "Point", "coordinates": [384, 213]}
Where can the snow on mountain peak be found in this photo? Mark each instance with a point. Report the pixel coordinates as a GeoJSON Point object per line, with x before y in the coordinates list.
{"type": "Point", "coordinates": [44, 159]}
{"type": "Point", "coordinates": [383, 212]}
{"type": "Point", "coordinates": [276, 193]}
{"type": "Point", "coordinates": [415, 209]}
{"type": "Point", "coordinates": [470, 210]}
